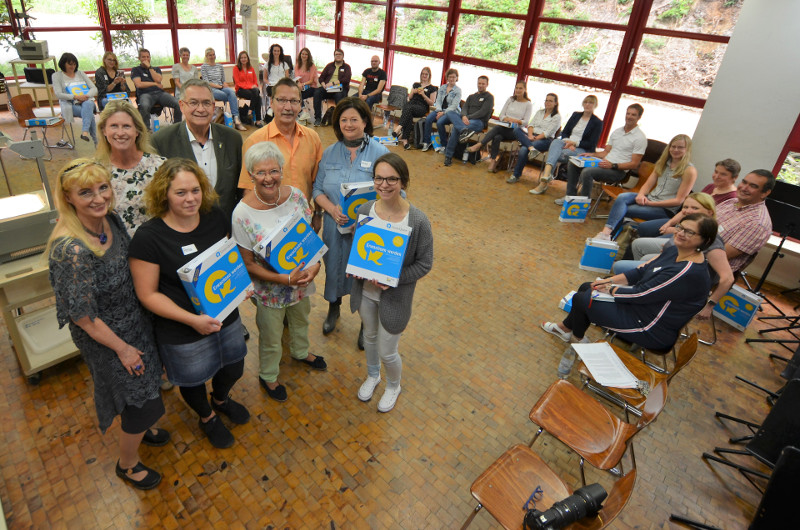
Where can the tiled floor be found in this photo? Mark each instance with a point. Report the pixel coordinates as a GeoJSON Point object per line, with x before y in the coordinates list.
{"type": "Point", "coordinates": [474, 363]}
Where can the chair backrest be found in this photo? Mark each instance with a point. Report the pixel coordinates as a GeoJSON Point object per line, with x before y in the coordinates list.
{"type": "Point", "coordinates": [23, 107]}
{"type": "Point", "coordinates": [653, 406]}
{"type": "Point", "coordinates": [686, 353]}
{"type": "Point", "coordinates": [397, 96]}
{"type": "Point", "coordinates": [615, 502]}
{"type": "Point", "coordinates": [653, 150]}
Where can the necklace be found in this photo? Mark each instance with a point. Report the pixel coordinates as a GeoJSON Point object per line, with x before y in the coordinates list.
{"type": "Point", "coordinates": [265, 203]}
{"type": "Point", "coordinates": [101, 236]}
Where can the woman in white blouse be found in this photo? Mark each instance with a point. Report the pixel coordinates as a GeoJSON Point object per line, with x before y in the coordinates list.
{"type": "Point", "coordinates": [540, 133]}
{"type": "Point", "coordinates": [516, 112]}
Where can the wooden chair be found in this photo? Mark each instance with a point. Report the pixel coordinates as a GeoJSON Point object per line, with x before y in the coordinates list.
{"type": "Point", "coordinates": [22, 106]}
{"type": "Point", "coordinates": [506, 485]}
{"type": "Point", "coordinates": [587, 427]}
{"type": "Point", "coordinates": [394, 102]}
{"type": "Point", "coordinates": [631, 399]}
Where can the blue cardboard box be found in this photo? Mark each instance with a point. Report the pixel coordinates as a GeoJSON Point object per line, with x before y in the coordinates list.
{"type": "Point", "coordinates": [598, 255]}
{"type": "Point", "coordinates": [566, 302]}
{"type": "Point", "coordinates": [585, 161]}
{"type": "Point", "coordinates": [77, 88]}
{"type": "Point", "coordinates": [351, 196]}
{"type": "Point", "coordinates": [42, 122]}
{"type": "Point", "coordinates": [216, 280]}
{"type": "Point", "coordinates": [385, 140]}
{"type": "Point", "coordinates": [575, 209]}
{"type": "Point", "coordinates": [291, 243]}
{"type": "Point", "coordinates": [436, 141]}
{"type": "Point", "coordinates": [111, 96]}
{"type": "Point", "coordinates": [378, 250]}
{"type": "Point", "coordinates": [738, 307]}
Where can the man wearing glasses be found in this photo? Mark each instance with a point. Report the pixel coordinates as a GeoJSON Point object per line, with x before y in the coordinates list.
{"type": "Point", "coordinates": [216, 148]}
{"type": "Point", "coordinates": [336, 73]}
{"type": "Point", "coordinates": [300, 146]}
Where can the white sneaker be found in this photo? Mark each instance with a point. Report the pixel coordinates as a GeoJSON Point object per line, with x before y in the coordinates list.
{"type": "Point", "coordinates": [388, 399]}
{"type": "Point", "coordinates": [304, 116]}
{"type": "Point", "coordinates": [602, 236]}
{"type": "Point", "coordinates": [368, 387]}
{"type": "Point", "coordinates": [439, 150]}
{"type": "Point", "coordinates": [559, 201]}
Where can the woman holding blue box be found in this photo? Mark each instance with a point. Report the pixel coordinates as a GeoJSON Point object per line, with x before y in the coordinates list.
{"type": "Point", "coordinates": [653, 302]}
{"type": "Point", "coordinates": [350, 159]}
{"type": "Point", "coordinates": [385, 311]}
{"type": "Point", "coordinates": [193, 347]}
{"type": "Point", "coordinates": [277, 296]}
{"type": "Point", "coordinates": [76, 93]}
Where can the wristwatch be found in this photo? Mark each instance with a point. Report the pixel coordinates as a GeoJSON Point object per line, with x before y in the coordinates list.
{"type": "Point", "coordinates": [614, 166]}
{"type": "Point", "coordinates": [711, 302]}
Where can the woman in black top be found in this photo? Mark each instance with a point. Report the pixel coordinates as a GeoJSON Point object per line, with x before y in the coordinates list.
{"type": "Point", "coordinates": [193, 347]}
{"type": "Point", "coordinates": [420, 99]}
{"type": "Point", "coordinates": [109, 79]}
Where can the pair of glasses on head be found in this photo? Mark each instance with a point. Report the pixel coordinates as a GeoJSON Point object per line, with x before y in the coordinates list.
{"type": "Point", "coordinates": [274, 173]}
{"type": "Point", "coordinates": [194, 103]}
{"type": "Point", "coordinates": [389, 180]}
{"type": "Point", "coordinates": [284, 101]}
{"type": "Point", "coordinates": [689, 233]}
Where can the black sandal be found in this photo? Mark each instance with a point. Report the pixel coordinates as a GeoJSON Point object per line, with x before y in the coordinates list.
{"type": "Point", "coordinates": [149, 481]}
{"type": "Point", "coordinates": [161, 437]}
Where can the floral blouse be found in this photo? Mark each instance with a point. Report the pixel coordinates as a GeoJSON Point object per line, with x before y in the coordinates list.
{"type": "Point", "coordinates": [129, 185]}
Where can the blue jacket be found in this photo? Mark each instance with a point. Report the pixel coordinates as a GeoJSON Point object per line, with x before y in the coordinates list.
{"type": "Point", "coordinates": [591, 135]}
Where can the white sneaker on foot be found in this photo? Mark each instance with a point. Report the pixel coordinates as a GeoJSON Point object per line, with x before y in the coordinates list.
{"type": "Point", "coordinates": [388, 399]}
{"type": "Point", "coordinates": [602, 236]}
{"type": "Point", "coordinates": [559, 201]}
{"type": "Point", "coordinates": [368, 388]}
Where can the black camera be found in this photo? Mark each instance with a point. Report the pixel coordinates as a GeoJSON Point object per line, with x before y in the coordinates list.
{"type": "Point", "coordinates": [585, 502]}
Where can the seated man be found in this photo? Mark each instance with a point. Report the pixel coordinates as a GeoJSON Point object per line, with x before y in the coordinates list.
{"type": "Point", "coordinates": [372, 82]}
{"type": "Point", "coordinates": [623, 151]}
{"type": "Point", "coordinates": [149, 91]}
{"type": "Point", "coordinates": [335, 73]}
{"type": "Point", "coordinates": [474, 118]}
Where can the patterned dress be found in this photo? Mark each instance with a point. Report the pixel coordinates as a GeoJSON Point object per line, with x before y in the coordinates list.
{"type": "Point", "coordinates": [86, 285]}
{"type": "Point", "coordinates": [129, 185]}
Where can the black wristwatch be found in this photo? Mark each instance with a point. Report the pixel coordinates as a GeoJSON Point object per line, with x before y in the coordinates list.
{"type": "Point", "coordinates": [711, 302]}
{"type": "Point", "coordinates": [614, 166]}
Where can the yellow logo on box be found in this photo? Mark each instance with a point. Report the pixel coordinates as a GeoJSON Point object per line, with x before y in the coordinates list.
{"type": "Point", "coordinates": [573, 210]}
{"type": "Point", "coordinates": [214, 277]}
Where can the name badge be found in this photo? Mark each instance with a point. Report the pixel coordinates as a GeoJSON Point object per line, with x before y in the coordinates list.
{"type": "Point", "coordinates": [366, 164]}
{"type": "Point", "coordinates": [189, 249]}
{"type": "Point", "coordinates": [480, 99]}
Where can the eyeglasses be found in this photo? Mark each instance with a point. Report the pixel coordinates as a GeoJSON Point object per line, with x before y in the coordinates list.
{"type": "Point", "coordinates": [87, 194]}
{"type": "Point", "coordinates": [194, 103]}
{"type": "Point", "coordinates": [537, 495]}
{"type": "Point", "coordinates": [689, 233]}
{"type": "Point", "coordinates": [274, 173]}
{"type": "Point", "coordinates": [284, 101]}
{"type": "Point", "coordinates": [388, 180]}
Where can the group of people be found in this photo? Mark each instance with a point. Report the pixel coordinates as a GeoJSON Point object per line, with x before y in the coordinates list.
{"type": "Point", "coordinates": [144, 206]}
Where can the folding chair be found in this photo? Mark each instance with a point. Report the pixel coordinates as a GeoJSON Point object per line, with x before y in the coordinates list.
{"type": "Point", "coordinates": [21, 107]}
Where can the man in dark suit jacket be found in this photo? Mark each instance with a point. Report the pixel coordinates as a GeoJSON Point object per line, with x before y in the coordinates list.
{"type": "Point", "coordinates": [216, 148]}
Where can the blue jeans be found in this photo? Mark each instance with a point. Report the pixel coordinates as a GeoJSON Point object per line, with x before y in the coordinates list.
{"type": "Point", "coordinates": [440, 123]}
{"type": "Point", "coordinates": [458, 128]}
{"type": "Point", "coordinates": [147, 101]}
{"type": "Point", "coordinates": [556, 152]}
{"type": "Point", "coordinates": [86, 111]}
{"type": "Point", "coordinates": [371, 100]}
{"type": "Point", "coordinates": [227, 94]}
{"type": "Point", "coordinates": [525, 145]}
{"type": "Point", "coordinates": [320, 94]}
{"type": "Point", "coordinates": [625, 206]}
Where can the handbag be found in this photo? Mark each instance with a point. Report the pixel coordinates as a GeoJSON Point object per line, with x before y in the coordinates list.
{"type": "Point", "coordinates": [626, 237]}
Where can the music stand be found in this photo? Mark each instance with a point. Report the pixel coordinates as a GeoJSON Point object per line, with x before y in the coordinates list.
{"type": "Point", "coordinates": [786, 221]}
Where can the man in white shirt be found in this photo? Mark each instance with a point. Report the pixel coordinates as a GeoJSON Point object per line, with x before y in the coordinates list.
{"type": "Point", "coordinates": [623, 151]}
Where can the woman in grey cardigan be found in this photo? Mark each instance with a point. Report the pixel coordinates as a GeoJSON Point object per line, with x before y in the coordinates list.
{"type": "Point", "coordinates": [385, 311]}
{"type": "Point", "coordinates": [76, 93]}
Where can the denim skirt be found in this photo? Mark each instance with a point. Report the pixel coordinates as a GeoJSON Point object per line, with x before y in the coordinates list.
{"type": "Point", "coordinates": [195, 363]}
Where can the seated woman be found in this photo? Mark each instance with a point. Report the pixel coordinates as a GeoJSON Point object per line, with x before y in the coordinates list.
{"type": "Point", "coordinates": [245, 81]}
{"type": "Point", "coordinates": [215, 75]}
{"type": "Point", "coordinates": [276, 296]}
{"type": "Point", "coordinates": [657, 228]}
{"type": "Point", "coordinates": [723, 182]}
{"type": "Point", "coordinates": [109, 79]}
{"type": "Point", "coordinates": [309, 80]}
{"type": "Point", "coordinates": [539, 135]}
{"type": "Point", "coordinates": [516, 111]}
{"type": "Point", "coordinates": [651, 303]}
{"type": "Point", "coordinates": [183, 71]}
{"type": "Point", "coordinates": [580, 135]}
{"type": "Point", "coordinates": [663, 191]}
{"type": "Point", "coordinates": [420, 98]}
{"type": "Point", "coordinates": [646, 249]}
{"type": "Point", "coordinates": [194, 348]}
{"type": "Point", "coordinates": [76, 93]}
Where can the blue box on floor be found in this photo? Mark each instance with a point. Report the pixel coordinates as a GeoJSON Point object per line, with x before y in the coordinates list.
{"type": "Point", "coordinates": [291, 243]}
{"type": "Point", "coordinates": [598, 255]}
{"type": "Point", "coordinates": [575, 209]}
{"type": "Point", "coordinates": [378, 250]}
{"type": "Point", "coordinates": [216, 280]}
{"type": "Point", "coordinates": [738, 307]}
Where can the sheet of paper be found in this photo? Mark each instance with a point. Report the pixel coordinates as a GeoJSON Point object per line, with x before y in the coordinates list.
{"type": "Point", "coordinates": [604, 365]}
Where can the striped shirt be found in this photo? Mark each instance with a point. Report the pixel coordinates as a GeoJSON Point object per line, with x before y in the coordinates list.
{"type": "Point", "coordinates": [746, 228]}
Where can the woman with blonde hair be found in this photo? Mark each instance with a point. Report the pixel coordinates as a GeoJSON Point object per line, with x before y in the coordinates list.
{"type": "Point", "coordinates": [214, 74]}
{"type": "Point", "coordinates": [94, 293]}
{"type": "Point", "coordinates": [662, 193]}
{"type": "Point", "coordinates": [420, 99]}
{"type": "Point", "coordinates": [110, 79]}
{"type": "Point", "coordinates": [193, 347]}
{"type": "Point", "coordinates": [125, 148]}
